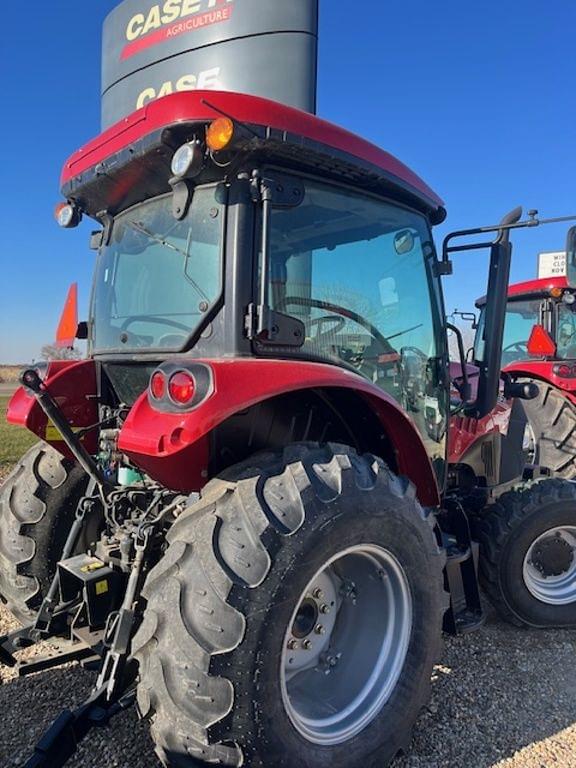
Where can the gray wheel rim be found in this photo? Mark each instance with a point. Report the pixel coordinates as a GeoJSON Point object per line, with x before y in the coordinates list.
{"type": "Point", "coordinates": [558, 589]}
{"type": "Point", "coordinates": [529, 444]}
{"type": "Point", "coordinates": [346, 644]}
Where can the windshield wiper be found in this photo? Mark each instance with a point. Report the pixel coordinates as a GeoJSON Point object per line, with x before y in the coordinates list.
{"type": "Point", "coordinates": [157, 239]}
{"type": "Point", "coordinates": [406, 330]}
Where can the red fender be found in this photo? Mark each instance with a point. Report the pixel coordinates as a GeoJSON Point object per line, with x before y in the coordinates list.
{"type": "Point", "coordinates": [544, 371]}
{"type": "Point", "coordinates": [72, 385]}
{"type": "Point", "coordinates": [465, 431]}
{"type": "Point", "coordinates": [173, 447]}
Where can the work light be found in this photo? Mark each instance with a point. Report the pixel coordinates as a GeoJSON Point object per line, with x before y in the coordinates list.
{"type": "Point", "coordinates": [188, 160]}
{"type": "Point", "coordinates": [67, 215]}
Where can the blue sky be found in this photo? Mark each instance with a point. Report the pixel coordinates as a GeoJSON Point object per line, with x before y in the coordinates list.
{"type": "Point", "coordinates": [479, 99]}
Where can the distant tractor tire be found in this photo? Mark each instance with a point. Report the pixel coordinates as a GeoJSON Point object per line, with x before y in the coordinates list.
{"type": "Point", "coordinates": [551, 434]}
{"type": "Point", "coordinates": [528, 554]}
{"type": "Point", "coordinates": [38, 502]}
{"type": "Point", "coordinates": [295, 617]}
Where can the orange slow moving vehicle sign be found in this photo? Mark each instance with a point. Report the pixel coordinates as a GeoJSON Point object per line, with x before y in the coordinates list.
{"type": "Point", "coordinates": [263, 48]}
{"type": "Point", "coordinates": [68, 324]}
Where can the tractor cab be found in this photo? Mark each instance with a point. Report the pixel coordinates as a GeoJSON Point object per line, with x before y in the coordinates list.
{"type": "Point", "coordinates": [540, 322]}
{"type": "Point", "coordinates": [539, 349]}
{"type": "Point", "coordinates": [263, 239]}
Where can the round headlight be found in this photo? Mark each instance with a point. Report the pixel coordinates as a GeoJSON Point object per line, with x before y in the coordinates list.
{"type": "Point", "coordinates": [67, 215]}
{"type": "Point", "coordinates": [568, 298]}
{"type": "Point", "coordinates": [188, 159]}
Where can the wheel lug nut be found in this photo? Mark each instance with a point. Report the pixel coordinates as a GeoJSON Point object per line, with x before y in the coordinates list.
{"type": "Point", "coordinates": [318, 594]}
{"type": "Point", "coordinates": [306, 645]}
{"type": "Point", "coordinates": [320, 630]}
{"type": "Point", "coordinates": [324, 608]}
{"type": "Point", "coordinates": [292, 644]}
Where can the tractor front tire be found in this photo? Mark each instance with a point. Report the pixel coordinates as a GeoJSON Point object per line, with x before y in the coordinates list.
{"type": "Point", "coordinates": [38, 502]}
{"type": "Point", "coordinates": [528, 554]}
{"type": "Point", "coordinates": [295, 617]}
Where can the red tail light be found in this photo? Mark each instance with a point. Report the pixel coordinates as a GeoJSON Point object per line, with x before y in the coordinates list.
{"type": "Point", "coordinates": [565, 371]}
{"type": "Point", "coordinates": [158, 385]}
{"type": "Point", "coordinates": [181, 387]}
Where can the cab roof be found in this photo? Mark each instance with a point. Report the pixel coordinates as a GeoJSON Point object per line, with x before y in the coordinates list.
{"type": "Point", "coordinates": [531, 288]}
{"type": "Point", "coordinates": [291, 126]}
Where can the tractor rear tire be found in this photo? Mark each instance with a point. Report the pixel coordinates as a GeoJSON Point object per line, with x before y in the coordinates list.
{"type": "Point", "coordinates": [38, 503]}
{"type": "Point", "coordinates": [552, 418]}
{"type": "Point", "coordinates": [233, 600]}
{"type": "Point", "coordinates": [528, 554]}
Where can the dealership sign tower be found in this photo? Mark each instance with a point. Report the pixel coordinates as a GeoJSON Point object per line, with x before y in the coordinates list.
{"type": "Point", "coordinates": [264, 48]}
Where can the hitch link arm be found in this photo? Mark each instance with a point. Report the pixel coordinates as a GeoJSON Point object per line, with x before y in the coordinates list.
{"type": "Point", "coordinates": [49, 604]}
{"type": "Point", "coordinates": [114, 662]}
{"type": "Point", "coordinates": [110, 694]}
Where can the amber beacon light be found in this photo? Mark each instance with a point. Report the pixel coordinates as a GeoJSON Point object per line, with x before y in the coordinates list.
{"type": "Point", "coordinates": [219, 134]}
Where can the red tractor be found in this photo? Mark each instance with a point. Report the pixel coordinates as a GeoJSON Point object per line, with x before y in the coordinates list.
{"type": "Point", "coordinates": [241, 508]}
{"type": "Point", "coordinates": [538, 353]}
{"type": "Point", "coordinates": [540, 347]}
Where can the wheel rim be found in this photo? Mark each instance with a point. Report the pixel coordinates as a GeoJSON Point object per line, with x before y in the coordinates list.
{"type": "Point", "coordinates": [550, 566]}
{"type": "Point", "coordinates": [346, 644]}
{"type": "Point", "coordinates": [529, 444]}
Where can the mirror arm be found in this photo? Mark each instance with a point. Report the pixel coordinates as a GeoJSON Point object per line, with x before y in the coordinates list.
{"type": "Point", "coordinates": [464, 388]}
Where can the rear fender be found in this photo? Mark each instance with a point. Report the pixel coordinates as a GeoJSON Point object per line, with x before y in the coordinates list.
{"type": "Point", "coordinates": [543, 371]}
{"type": "Point", "coordinates": [492, 447]}
{"type": "Point", "coordinates": [174, 448]}
{"type": "Point", "coordinates": [465, 432]}
{"type": "Point", "coordinates": [72, 384]}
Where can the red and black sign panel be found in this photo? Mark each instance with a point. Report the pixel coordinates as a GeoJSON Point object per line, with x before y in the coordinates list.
{"type": "Point", "coordinates": [260, 47]}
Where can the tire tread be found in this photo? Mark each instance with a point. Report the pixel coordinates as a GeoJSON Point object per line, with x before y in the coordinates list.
{"type": "Point", "coordinates": [225, 534]}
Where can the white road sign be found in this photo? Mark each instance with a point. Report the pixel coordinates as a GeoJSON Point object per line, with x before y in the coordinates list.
{"type": "Point", "coordinates": [552, 264]}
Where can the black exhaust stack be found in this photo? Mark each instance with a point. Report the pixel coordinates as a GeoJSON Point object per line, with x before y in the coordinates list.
{"type": "Point", "coordinates": [496, 297]}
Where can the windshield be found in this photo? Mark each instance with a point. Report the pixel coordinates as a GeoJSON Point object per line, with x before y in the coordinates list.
{"type": "Point", "coordinates": [566, 333]}
{"type": "Point", "coordinates": [357, 273]}
{"type": "Point", "coordinates": [521, 317]}
{"type": "Point", "coordinates": [158, 277]}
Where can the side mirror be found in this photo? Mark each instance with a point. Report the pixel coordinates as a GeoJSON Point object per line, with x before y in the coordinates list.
{"type": "Point", "coordinates": [403, 242]}
{"type": "Point", "coordinates": [82, 330]}
{"type": "Point", "coordinates": [469, 317]}
{"type": "Point", "coordinates": [540, 343]}
{"type": "Point", "coordinates": [460, 381]}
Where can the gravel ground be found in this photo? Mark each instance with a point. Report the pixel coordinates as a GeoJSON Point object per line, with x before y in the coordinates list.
{"type": "Point", "coordinates": [502, 698]}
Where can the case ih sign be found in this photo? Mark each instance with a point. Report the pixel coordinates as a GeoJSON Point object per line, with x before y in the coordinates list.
{"type": "Point", "coordinates": [256, 47]}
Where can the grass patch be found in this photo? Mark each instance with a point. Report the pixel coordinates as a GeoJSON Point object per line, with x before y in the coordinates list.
{"type": "Point", "coordinates": [14, 441]}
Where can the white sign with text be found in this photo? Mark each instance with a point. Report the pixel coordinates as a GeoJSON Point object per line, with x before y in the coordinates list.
{"type": "Point", "coordinates": [552, 264]}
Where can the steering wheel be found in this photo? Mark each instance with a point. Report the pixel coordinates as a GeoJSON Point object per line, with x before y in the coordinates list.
{"type": "Point", "coordinates": [517, 346]}
{"type": "Point", "coordinates": [414, 351]}
{"type": "Point", "coordinates": [154, 319]}
{"type": "Point", "coordinates": [346, 314]}
{"type": "Point", "coordinates": [338, 322]}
